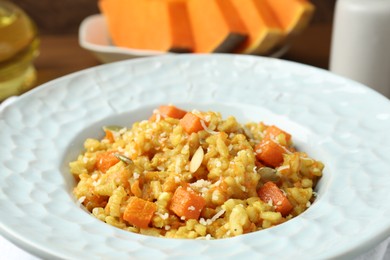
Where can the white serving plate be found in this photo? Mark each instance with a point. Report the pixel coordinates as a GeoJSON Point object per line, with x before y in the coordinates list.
{"type": "Point", "coordinates": [94, 36]}
{"type": "Point", "coordinates": [340, 122]}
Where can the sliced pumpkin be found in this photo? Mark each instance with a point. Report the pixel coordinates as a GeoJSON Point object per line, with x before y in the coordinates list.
{"type": "Point", "coordinates": [205, 26]}
{"type": "Point", "coordinates": [216, 26]}
{"type": "Point", "coordinates": [293, 15]}
{"type": "Point", "coordinates": [264, 31]}
{"type": "Point", "coordinates": [148, 24]}
{"type": "Point", "coordinates": [111, 11]}
{"type": "Point", "coordinates": [180, 26]}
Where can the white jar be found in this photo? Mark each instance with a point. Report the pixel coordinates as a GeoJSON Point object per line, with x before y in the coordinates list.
{"type": "Point", "coordinates": [360, 47]}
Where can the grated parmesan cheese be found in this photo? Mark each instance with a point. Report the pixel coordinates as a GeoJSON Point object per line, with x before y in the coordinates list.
{"type": "Point", "coordinates": [162, 216]}
{"type": "Point", "coordinates": [208, 130]}
{"type": "Point", "coordinates": [206, 222]}
{"type": "Point", "coordinates": [177, 179]}
{"type": "Point", "coordinates": [96, 183]}
{"type": "Point", "coordinates": [217, 215]}
{"type": "Point", "coordinates": [218, 164]}
{"type": "Point", "coordinates": [201, 185]}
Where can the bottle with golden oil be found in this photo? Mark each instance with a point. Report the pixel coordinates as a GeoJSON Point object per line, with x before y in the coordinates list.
{"type": "Point", "coordinates": [18, 47]}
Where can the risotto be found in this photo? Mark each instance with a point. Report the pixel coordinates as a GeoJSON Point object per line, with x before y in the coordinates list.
{"type": "Point", "coordinates": [193, 174]}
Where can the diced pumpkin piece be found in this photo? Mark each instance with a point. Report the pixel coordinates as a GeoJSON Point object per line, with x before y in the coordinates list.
{"type": "Point", "coordinates": [191, 123]}
{"type": "Point", "coordinates": [113, 12]}
{"type": "Point", "coordinates": [187, 203]}
{"type": "Point", "coordinates": [171, 111]}
{"type": "Point", "coordinates": [109, 136]}
{"type": "Point", "coordinates": [148, 25]}
{"type": "Point", "coordinates": [293, 15]}
{"type": "Point", "coordinates": [139, 212]}
{"type": "Point", "coordinates": [216, 26]}
{"type": "Point", "coordinates": [271, 192]}
{"type": "Point", "coordinates": [273, 131]}
{"type": "Point", "coordinates": [105, 160]}
{"type": "Point", "coordinates": [264, 31]}
{"type": "Point", "coordinates": [269, 153]}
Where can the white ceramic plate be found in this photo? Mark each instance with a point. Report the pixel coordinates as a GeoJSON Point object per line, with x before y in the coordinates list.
{"type": "Point", "coordinates": [335, 120]}
{"type": "Point", "coordinates": [94, 36]}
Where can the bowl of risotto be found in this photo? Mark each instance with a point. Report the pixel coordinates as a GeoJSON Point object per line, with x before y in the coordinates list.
{"type": "Point", "coordinates": [193, 174]}
{"type": "Point", "coordinates": [196, 156]}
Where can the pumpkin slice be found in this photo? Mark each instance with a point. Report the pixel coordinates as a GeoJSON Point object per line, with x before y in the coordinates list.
{"type": "Point", "coordinates": [293, 15]}
{"type": "Point", "coordinates": [264, 31]}
{"type": "Point", "coordinates": [115, 12]}
{"type": "Point", "coordinates": [111, 11]}
{"type": "Point", "coordinates": [148, 25]}
{"type": "Point", "coordinates": [180, 27]}
{"type": "Point", "coordinates": [216, 26]}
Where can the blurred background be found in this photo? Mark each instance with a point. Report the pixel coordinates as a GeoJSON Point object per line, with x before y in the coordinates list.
{"type": "Point", "coordinates": [59, 17]}
{"type": "Point", "coordinates": [60, 53]}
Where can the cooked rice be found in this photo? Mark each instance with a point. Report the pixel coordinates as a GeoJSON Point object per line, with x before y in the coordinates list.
{"type": "Point", "coordinates": [227, 177]}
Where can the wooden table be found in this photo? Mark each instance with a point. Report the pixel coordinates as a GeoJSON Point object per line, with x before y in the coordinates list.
{"type": "Point", "coordinates": [62, 54]}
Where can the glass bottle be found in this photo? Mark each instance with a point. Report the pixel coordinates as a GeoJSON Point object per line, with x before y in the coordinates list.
{"type": "Point", "coordinates": [18, 47]}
